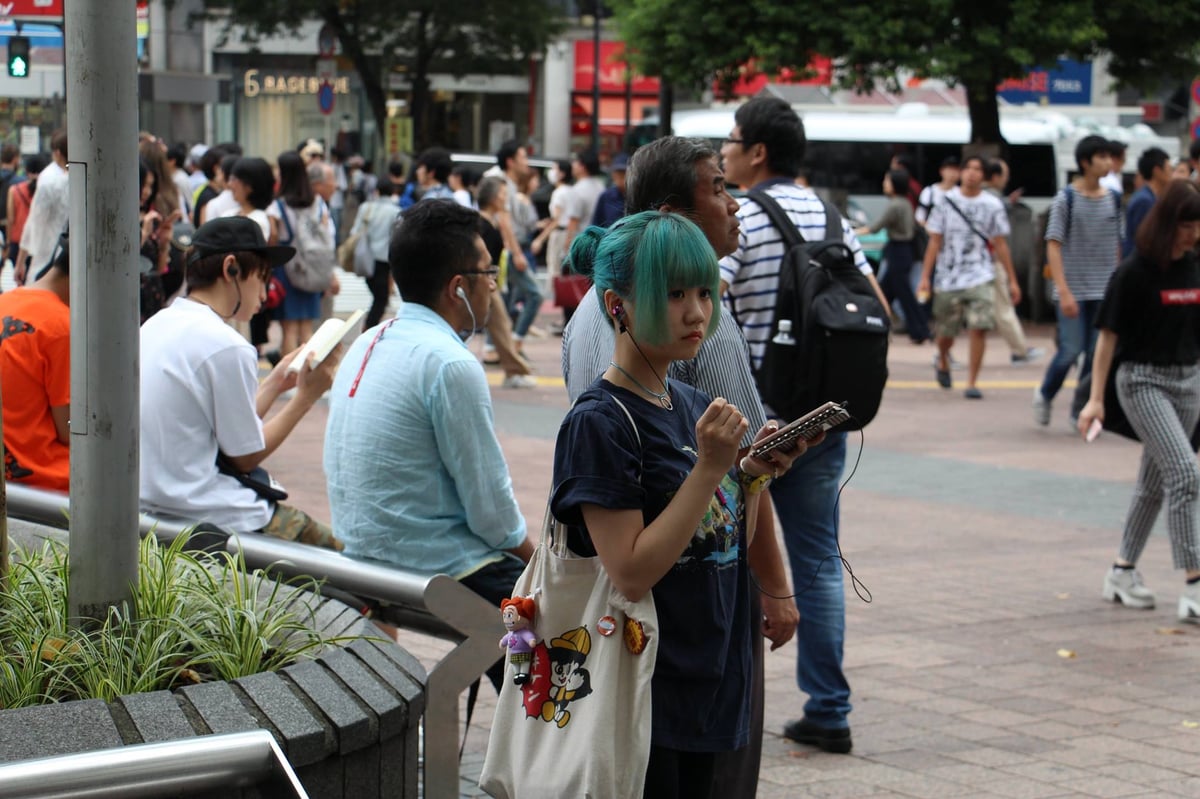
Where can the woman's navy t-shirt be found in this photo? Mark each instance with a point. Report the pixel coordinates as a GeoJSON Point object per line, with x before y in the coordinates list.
{"type": "Point", "coordinates": [701, 688]}
{"type": "Point", "coordinates": [1154, 312]}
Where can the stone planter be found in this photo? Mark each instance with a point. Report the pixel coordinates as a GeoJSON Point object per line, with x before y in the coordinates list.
{"type": "Point", "coordinates": [348, 720]}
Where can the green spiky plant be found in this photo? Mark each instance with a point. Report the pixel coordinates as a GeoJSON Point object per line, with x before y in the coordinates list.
{"type": "Point", "coordinates": [196, 617]}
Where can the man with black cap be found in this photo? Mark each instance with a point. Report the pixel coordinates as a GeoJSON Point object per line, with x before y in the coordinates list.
{"type": "Point", "coordinates": [35, 370]}
{"type": "Point", "coordinates": [201, 400]}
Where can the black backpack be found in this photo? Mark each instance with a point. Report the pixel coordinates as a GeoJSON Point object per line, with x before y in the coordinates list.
{"type": "Point", "coordinates": [839, 326]}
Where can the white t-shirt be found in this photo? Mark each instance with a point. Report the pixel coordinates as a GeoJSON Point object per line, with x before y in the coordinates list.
{"type": "Point", "coordinates": [581, 201]}
{"type": "Point", "coordinates": [965, 259]}
{"type": "Point", "coordinates": [258, 215]}
{"type": "Point", "coordinates": [220, 205]}
{"type": "Point", "coordinates": [930, 196]}
{"type": "Point", "coordinates": [1113, 182]}
{"type": "Point", "coordinates": [199, 378]}
{"type": "Point", "coordinates": [48, 214]}
{"type": "Point", "coordinates": [558, 204]}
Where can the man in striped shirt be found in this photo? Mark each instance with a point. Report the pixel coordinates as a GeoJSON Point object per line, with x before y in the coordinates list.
{"type": "Point", "coordinates": [765, 151]}
{"type": "Point", "coordinates": [1083, 246]}
{"type": "Point", "coordinates": [682, 175]}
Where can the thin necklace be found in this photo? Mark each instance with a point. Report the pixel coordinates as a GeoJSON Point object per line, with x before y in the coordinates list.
{"type": "Point", "coordinates": [664, 399]}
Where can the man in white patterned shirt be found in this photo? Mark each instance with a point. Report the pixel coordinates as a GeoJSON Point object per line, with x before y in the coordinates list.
{"type": "Point", "coordinates": [968, 235]}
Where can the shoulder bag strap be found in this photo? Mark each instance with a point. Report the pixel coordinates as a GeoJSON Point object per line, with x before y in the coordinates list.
{"type": "Point", "coordinates": [286, 222]}
{"type": "Point", "coordinates": [966, 219]}
{"type": "Point", "coordinates": [554, 532]}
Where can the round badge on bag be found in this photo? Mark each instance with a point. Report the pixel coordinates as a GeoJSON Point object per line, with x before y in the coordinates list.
{"type": "Point", "coordinates": [635, 636]}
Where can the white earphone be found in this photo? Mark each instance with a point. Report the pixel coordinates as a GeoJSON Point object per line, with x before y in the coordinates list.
{"type": "Point", "coordinates": [462, 295]}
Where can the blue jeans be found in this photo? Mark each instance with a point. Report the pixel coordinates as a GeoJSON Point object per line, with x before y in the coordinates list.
{"type": "Point", "coordinates": [522, 288]}
{"type": "Point", "coordinates": [1074, 336]}
{"type": "Point", "coordinates": [806, 501]}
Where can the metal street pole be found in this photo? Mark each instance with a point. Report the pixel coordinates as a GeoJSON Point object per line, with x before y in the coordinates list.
{"type": "Point", "coordinates": [101, 73]}
{"type": "Point", "coordinates": [596, 8]}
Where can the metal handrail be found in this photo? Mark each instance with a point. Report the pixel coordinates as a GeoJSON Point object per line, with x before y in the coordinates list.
{"type": "Point", "coordinates": [206, 763]}
{"type": "Point", "coordinates": [434, 604]}
{"type": "Point", "coordinates": [43, 506]}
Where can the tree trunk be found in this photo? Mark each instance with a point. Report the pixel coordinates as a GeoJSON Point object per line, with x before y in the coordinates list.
{"type": "Point", "coordinates": [368, 70]}
{"type": "Point", "coordinates": [420, 106]}
{"type": "Point", "coordinates": [666, 103]}
{"type": "Point", "coordinates": [984, 111]}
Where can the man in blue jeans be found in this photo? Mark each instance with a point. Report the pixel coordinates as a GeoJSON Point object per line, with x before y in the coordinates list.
{"type": "Point", "coordinates": [764, 151]}
{"type": "Point", "coordinates": [1083, 247]}
{"type": "Point", "coordinates": [524, 297]}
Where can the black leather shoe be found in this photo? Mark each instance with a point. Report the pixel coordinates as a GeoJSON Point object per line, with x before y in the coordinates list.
{"type": "Point", "coordinates": [827, 739]}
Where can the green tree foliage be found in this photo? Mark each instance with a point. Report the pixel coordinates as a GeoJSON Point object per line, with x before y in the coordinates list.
{"type": "Point", "coordinates": [975, 45]}
{"type": "Point", "coordinates": [411, 37]}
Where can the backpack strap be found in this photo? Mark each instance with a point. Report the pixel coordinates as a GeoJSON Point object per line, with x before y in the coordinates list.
{"type": "Point", "coordinates": [787, 228]}
{"type": "Point", "coordinates": [286, 223]}
{"type": "Point", "coordinates": [779, 218]}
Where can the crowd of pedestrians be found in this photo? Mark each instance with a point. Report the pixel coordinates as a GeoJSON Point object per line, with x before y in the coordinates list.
{"type": "Point", "coordinates": [653, 471]}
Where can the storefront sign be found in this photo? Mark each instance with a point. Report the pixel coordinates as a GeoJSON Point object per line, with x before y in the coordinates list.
{"type": "Point", "coordinates": [48, 11]}
{"type": "Point", "coordinates": [1069, 83]}
{"type": "Point", "coordinates": [613, 69]}
{"type": "Point", "coordinates": [254, 84]}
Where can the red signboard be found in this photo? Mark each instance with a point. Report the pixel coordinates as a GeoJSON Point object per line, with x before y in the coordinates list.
{"type": "Point", "coordinates": [612, 69]}
{"type": "Point", "coordinates": [32, 10]}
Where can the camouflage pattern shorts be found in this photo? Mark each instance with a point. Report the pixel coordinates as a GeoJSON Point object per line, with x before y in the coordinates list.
{"type": "Point", "coordinates": [293, 524]}
{"type": "Point", "coordinates": [970, 309]}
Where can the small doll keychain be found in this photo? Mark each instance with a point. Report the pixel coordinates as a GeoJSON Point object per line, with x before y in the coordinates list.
{"type": "Point", "coordinates": [519, 641]}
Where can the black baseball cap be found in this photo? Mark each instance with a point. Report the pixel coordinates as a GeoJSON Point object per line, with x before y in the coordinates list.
{"type": "Point", "coordinates": [230, 234]}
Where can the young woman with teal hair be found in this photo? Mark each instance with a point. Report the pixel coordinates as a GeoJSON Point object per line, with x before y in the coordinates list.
{"type": "Point", "coordinates": [645, 477]}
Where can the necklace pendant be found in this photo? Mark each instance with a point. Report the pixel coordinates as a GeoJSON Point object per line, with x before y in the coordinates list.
{"type": "Point", "coordinates": [665, 401]}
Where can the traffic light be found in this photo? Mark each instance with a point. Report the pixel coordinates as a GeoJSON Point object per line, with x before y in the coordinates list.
{"type": "Point", "coordinates": [18, 56]}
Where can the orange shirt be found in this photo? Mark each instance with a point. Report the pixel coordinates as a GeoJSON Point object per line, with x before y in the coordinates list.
{"type": "Point", "coordinates": [35, 375]}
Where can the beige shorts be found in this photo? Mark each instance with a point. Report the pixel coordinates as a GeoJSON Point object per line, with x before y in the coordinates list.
{"type": "Point", "coordinates": [970, 309]}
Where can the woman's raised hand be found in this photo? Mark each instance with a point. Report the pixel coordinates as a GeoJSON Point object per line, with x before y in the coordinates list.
{"type": "Point", "coordinates": [719, 433]}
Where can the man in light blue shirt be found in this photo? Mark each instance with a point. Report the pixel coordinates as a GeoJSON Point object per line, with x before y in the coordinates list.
{"type": "Point", "coordinates": [415, 473]}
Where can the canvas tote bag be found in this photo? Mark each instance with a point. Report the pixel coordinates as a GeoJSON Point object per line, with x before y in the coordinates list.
{"type": "Point", "coordinates": [580, 726]}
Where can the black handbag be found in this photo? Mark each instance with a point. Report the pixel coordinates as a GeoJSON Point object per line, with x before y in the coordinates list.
{"type": "Point", "coordinates": [257, 480]}
{"type": "Point", "coordinates": [1115, 420]}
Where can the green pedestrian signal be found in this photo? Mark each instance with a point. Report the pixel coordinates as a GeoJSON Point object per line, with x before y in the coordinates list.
{"type": "Point", "coordinates": [18, 57]}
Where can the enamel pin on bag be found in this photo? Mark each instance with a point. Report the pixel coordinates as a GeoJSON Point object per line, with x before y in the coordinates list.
{"type": "Point", "coordinates": [578, 724]}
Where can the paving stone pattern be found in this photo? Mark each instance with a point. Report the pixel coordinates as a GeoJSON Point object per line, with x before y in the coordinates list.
{"type": "Point", "coordinates": [983, 541]}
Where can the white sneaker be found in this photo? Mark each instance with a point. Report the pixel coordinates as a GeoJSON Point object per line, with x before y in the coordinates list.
{"type": "Point", "coordinates": [1041, 408]}
{"type": "Point", "coordinates": [1125, 586]}
{"type": "Point", "coordinates": [520, 381]}
{"type": "Point", "coordinates": [1189, 604]}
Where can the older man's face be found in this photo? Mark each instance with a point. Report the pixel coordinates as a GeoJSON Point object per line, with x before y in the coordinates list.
{"type": "Point", "coordinates": [325, 187]}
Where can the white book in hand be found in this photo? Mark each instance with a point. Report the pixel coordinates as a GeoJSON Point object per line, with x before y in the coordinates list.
{"type": "Point", "coordinates": [328, 336]}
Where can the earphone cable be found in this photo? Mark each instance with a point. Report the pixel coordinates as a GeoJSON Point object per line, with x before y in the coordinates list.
{"type": "Point", "coordinates": [860, 588]}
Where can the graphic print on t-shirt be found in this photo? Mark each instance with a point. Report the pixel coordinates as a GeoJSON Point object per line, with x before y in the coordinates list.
{"type": "Point", "coordinates": [716, 538]}
{"type": "Point", "coordinates": [13, 327]}
{"type": "Point", "coordinates": [14, 471]}
{"type": "Point", "coordinates": [1180, 296]}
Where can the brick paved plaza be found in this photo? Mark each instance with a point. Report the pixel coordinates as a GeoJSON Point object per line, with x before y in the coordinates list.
{"type": "Point", "coordinates": [986, 664]}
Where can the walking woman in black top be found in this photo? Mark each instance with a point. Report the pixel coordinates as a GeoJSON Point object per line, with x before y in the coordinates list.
{"type": "Point", "coordinates": [1151, 315]}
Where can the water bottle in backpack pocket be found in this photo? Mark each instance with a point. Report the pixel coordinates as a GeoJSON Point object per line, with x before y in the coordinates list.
{"type": "Point", "coordinates": [838, 326]}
